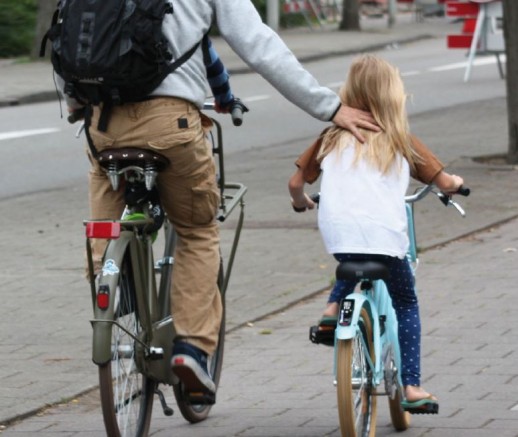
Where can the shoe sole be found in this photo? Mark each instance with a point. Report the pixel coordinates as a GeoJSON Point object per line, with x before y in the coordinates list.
{"type": "Point", "coordinates": [425, 408]}
{"type": "Point", "coordinates": [191, 375]}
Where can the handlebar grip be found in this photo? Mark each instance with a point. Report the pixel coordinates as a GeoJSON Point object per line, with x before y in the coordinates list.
{"type": "Point", "coordinates": [76, 115]}
{"type": "Point", "coordinates": [463, 191]}
{"type": "Point", "coordinates": [315, 197]}
{"type": "Point", "coordinates": [237, 111]}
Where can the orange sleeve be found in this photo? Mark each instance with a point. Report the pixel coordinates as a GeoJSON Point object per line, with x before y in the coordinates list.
{"type": "Point", "coordinates": [429, 166]}
{"type": "Point", "coordinates": [308, 163]}
{"type": "Point", "coordinates": [426, 169]}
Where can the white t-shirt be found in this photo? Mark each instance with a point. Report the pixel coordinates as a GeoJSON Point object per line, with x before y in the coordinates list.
{"type": "Point", "coordinates": [362, 210]}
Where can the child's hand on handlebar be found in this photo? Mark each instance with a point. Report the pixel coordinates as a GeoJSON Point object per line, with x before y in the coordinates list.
{"type": "Point", "coordinates": [448, 183]}
{"type": "Point", "coordinates": [303, 203]}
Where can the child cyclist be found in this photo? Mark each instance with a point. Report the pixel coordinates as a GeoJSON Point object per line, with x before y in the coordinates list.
{"type": "Point", "coordinates": [362, 209]}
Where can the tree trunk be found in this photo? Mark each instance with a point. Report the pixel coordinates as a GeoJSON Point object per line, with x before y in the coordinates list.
{"type": "Point", "coordinates": [46, 9]}
{"type": "Point", "coordinates": [510, 19]}
{"type": "Point", "coordinates": [350, 15]}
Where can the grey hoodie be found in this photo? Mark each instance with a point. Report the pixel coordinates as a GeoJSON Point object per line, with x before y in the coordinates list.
{"type": "Point", "coordinates": [260, 47]}
{"type": "Point", "coordinates": [257, 44]}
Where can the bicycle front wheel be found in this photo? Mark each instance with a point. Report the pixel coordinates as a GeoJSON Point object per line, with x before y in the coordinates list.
{"type": "Point", "coordinates": [126, 394]}
{"type": "Point", "coordinates": [356, 395]}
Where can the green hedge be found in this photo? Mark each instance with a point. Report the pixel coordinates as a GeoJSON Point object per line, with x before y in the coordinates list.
{"type": "Point", "coordinates": [17, 26]}
{"type": "Point", "coordinates": [18, 23]}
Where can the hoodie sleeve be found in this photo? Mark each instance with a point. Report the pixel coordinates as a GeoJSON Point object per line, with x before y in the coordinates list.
{"type": "Point", "coordinates": [264, 51]}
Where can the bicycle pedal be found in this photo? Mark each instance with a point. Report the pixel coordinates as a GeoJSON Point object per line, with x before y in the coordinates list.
{"type": "Point", "coordinates": [322, 335]}
{"type": "Point", "coordinates": [155, 353]}
{"type": "Point", "coordinates": [201, 398]}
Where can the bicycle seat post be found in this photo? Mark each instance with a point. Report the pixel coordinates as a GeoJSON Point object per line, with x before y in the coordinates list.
{"type": "Point", "coordinates": [113, 175]}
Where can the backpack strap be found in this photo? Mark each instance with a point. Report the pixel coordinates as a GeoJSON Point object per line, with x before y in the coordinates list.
{"type": "Point", "coordinates": [49, 33]}
{"type": "Point", "coordinates": [102, 124]}
{"type": "Point", "coordinates": [88, 123]}
{"type": "Point", "coordinates": [173, 66]}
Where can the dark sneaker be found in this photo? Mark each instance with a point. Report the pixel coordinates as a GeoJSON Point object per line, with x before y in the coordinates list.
{"type": "Point", "coordinates": [189, 363]}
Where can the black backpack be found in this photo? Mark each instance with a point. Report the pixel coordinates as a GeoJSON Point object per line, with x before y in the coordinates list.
{"type": "Point", "coordinates": [111, 51]}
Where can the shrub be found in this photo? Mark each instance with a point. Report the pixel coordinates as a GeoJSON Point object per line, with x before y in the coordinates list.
{"type": "Point", "coordinates": [17, 26]}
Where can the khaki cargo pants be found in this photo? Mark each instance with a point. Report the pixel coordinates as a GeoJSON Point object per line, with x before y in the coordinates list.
{"type": "Point", "coordinates": [189, 195]}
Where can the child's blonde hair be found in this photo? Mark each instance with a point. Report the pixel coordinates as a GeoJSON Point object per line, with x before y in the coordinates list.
{"type": "Point", "coordinates": [375, 86]}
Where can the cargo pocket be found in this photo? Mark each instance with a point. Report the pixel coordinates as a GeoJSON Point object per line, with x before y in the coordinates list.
{"type": "Point", "coordinates": [205, 201]}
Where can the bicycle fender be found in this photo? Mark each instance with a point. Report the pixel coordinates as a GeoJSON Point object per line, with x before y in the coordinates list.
{"type": "Point", "coordinates": [348, 332]}
{"type": "Point", "coordinates": [103, 318]}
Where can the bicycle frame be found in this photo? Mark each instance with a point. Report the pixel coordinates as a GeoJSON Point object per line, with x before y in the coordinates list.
{"type": "Point", "coordinates": [153, 303]}
{"type": "Point", "coordinates": [366, 344]}
{"type": "Point", "coordinates": [378, 302]}
{"type": "Point", "coordinates": [153, 308]}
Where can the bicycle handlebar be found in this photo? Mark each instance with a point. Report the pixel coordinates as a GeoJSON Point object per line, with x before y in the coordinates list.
{"type": "Point", "coordinates": [76, 115]}
{"type": "Point", "coordinates": [426, 189]}
{"type": "Point", "coordinates": [421, 193]}
{"type": "Point", "coordinates": [237, 109]}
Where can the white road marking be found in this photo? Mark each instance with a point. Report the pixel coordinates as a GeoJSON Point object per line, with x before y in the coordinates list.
{"type": "Point", "coordinates": [257, 98]}
{"type": "Point", "coordinates": [476, 62]}
{"type": "Point", "coordinates": [411, 73]}
{"type": "Point", "coordinates": [27, 133]}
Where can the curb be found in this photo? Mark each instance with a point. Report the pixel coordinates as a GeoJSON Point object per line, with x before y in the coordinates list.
{"type": "Point", "coordinates": [46, 96]}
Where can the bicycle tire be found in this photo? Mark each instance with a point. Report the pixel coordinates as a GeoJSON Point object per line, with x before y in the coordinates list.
{"type": "Point", "coordinates": [126, 394]}
{"type": "Point", "coordinates": [357, 402]}
{"type": "Point", "coordinates": [400, 418]}
{"type": "Point", "coordinates": [195, 413]}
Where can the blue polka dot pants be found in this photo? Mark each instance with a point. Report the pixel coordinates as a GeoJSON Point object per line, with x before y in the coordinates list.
{"type": "Point", "coordinates": [401, 287]}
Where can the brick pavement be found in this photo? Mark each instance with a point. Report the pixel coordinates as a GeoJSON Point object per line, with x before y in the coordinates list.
{"type": "Point", "coordinates": [275, 383]}
{"type": "Point", "coordinates": [45, 336]}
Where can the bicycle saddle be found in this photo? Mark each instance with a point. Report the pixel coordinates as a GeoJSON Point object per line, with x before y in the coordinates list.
{"type": "Point", "coordinates": [132, 156]}
{"type": "Point", "coordinates": [356, 270]}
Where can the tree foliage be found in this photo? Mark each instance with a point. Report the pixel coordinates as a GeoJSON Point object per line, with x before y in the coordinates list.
{"type": "Point", "coordinates": [17, 24]}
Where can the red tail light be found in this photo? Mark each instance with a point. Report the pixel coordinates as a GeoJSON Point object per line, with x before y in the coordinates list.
{"type": "Point", "coordinates": [103, 297]}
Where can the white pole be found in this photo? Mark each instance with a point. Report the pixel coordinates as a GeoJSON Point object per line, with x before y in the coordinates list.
{"type": "Point", "coordinates": [272, 14]}
{"type": "Point", "coordinates": [479, 27]}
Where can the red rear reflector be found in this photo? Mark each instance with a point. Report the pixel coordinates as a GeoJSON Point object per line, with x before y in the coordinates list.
{"type": "Point", "coordinates": [111, 230]}
{"type": "Point", "coordinates": [103, 297]}
{"type": "Point", "coordinates": [103, 301]}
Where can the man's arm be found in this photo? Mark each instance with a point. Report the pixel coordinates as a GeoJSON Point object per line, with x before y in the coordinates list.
{"type": "Point", "coordinates": [261, 48]}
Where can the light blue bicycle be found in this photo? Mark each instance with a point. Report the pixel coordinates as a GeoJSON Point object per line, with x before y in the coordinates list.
{"type": "Point", "coordinates": [365, 340]}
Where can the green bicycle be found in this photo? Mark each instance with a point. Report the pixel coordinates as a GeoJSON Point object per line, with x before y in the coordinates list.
{"type": "Point", "coordinates": [133, 331]}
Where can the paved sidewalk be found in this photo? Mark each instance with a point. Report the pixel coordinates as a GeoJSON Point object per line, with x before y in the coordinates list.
{"type": "Point", "coordinates": [282, 384]}
{"type": "Point", "coordinates": [276, 383]}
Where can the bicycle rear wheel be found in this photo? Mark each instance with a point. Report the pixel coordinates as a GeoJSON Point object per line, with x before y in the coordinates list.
{"type": "Point", "coordinates": [356, 395]}
{"type": "Point", "coordinates": [193, 412]}
{"type": "Point", "coordinates": [126, 395]}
